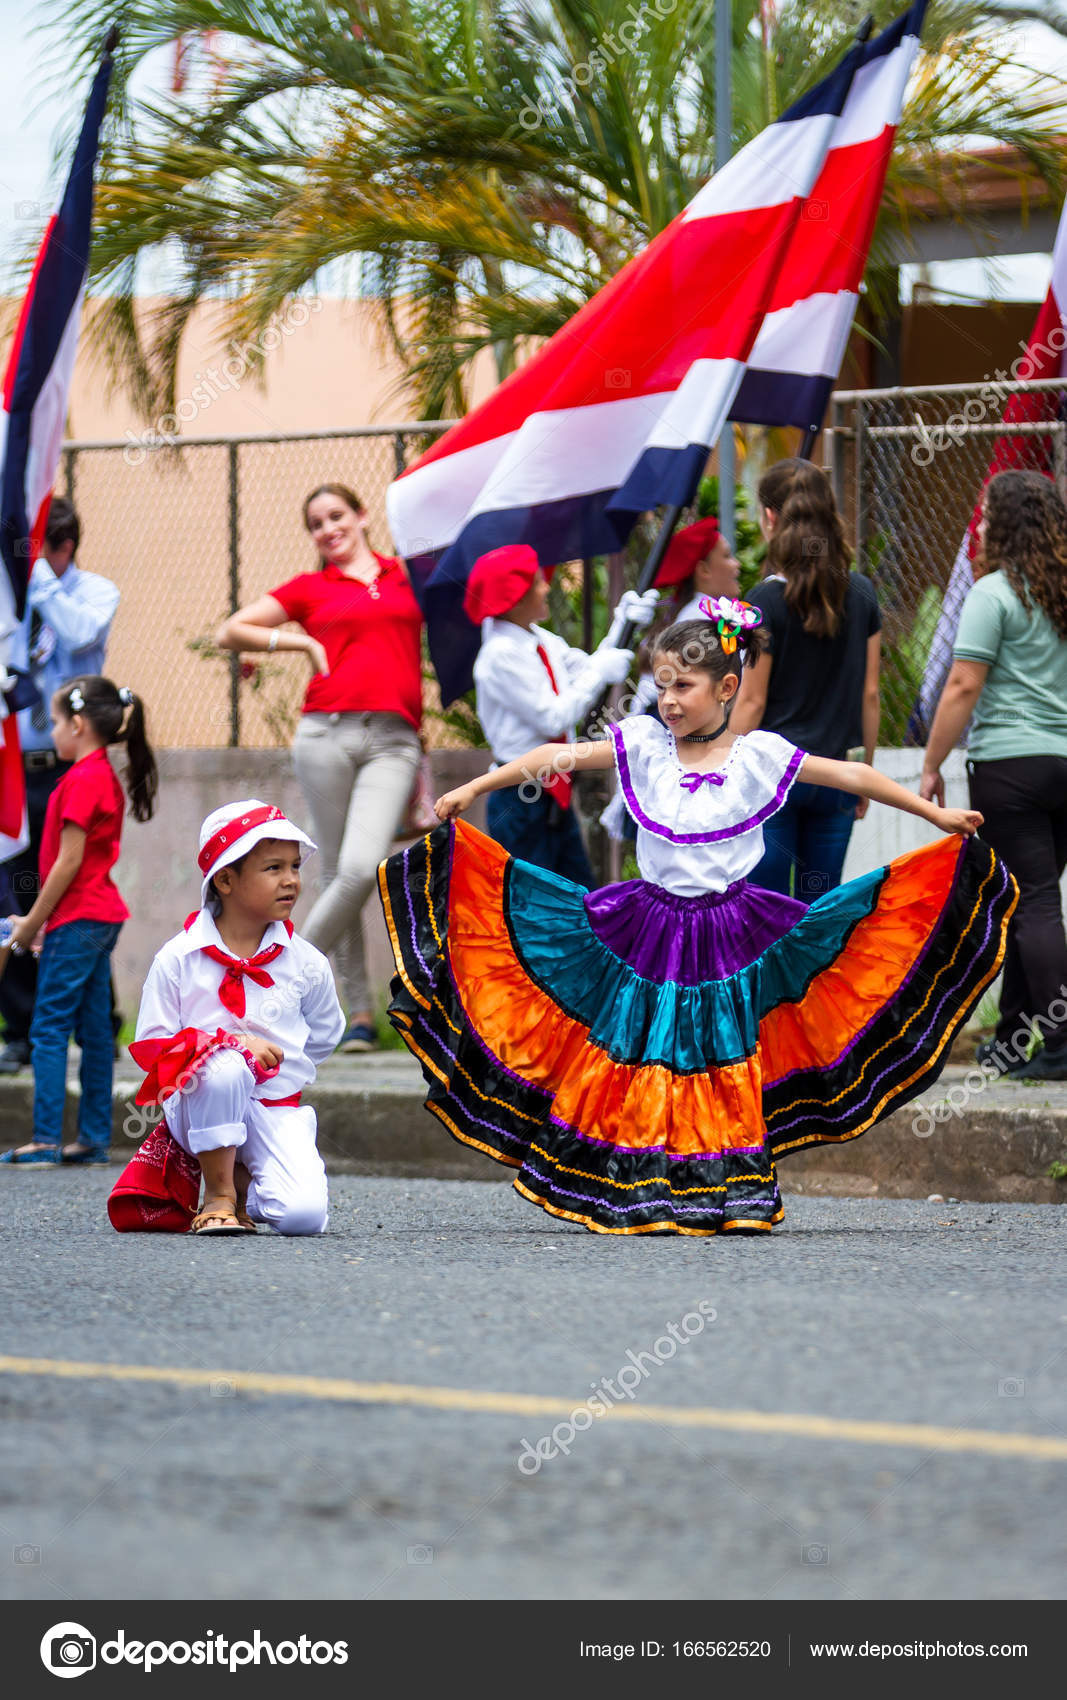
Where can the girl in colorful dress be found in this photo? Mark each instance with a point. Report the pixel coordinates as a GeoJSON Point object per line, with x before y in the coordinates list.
{"type": "Point", "coordinates": [80, 912]}
{"type": "Point", "coordinates": [643, 1054]}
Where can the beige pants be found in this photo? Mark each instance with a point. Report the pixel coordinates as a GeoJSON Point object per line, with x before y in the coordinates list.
{"type": "Point", "coordinates": [357, 772]}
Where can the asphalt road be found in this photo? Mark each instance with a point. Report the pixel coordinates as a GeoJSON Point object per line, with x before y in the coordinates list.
{"type": "Point", "coordinates": [867, 1313]}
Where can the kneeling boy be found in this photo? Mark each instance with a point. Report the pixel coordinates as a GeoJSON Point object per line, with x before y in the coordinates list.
{"type": "Point", "coordinates": [237, 1010]}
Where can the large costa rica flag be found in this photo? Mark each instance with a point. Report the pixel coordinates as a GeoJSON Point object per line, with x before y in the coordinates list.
{"type": "Point", "coordinates": [617, 413]}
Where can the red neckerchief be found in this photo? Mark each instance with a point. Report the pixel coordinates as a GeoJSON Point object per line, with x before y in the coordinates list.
{"type": "Point", "coordinates": [232, 991]}
{"type": "Point", "coordinates": [558, 785]}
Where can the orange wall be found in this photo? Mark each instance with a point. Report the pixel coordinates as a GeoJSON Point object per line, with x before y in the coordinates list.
{"type": "Point", "coordinates": [331, 370]}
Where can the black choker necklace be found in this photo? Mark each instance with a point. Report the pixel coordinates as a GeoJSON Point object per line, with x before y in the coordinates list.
{"type": "Point", "coordinates": [703, 737]}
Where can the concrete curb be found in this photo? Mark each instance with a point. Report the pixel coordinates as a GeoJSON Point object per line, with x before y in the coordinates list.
{"type": "Point", "coordinates": [978, 1142]}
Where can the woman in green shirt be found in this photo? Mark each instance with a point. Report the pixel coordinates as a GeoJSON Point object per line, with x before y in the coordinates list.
{"type": "Point", "coordinates": [1010, 672]}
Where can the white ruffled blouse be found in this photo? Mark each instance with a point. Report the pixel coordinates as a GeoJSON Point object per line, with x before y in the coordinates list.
{"type": "Point", "coordinates": [699, 832]}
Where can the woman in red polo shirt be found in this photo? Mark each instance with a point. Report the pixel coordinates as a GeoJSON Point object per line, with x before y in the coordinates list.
{"type": "Point", "coordinates": [357, 746]}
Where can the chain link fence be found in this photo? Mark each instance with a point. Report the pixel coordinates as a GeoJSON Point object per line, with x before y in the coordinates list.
{"type": "Point", "coordinates": [908, 466]}
{"type": "Point", "coordinates": [193, 530]}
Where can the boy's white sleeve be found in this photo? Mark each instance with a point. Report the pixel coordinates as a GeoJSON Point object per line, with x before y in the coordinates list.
{"type": "Point", "coordinates": [160, 1015]}
{"type": "Point", "coordinates": [322, 1012]}
{"type": "Point", "coordinates": [517, 701]}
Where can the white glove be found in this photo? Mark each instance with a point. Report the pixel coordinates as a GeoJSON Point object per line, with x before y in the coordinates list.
{"type": "Point", "coordinates": [612, 664]}
{"type": "Point", "coordinates": [632, 610]}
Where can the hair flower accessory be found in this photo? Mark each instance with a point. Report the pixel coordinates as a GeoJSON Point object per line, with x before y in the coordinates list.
{"type": "Point", "coordinates": [731, 618]}
{"type": "Point", "coordinates": [76, 700]}
{"type": "Point", "coordinates": [125, 695]}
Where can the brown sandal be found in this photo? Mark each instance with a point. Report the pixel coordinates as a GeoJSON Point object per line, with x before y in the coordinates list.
{"type": "Point", "coordinates": [246, 1222]}
{"type": "Point", "coordinates": [222, 1215]}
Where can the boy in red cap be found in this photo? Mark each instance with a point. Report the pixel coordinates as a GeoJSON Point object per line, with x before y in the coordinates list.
{"type": "Point", "coordinates": [532, 687]}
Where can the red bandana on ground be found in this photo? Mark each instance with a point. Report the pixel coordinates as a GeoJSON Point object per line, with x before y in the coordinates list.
{"type": "Point", "coordinates": [158, 1191]}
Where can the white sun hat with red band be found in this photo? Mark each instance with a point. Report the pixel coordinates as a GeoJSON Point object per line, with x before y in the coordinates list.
{"type": "Point", "coordinates": [232, 831]}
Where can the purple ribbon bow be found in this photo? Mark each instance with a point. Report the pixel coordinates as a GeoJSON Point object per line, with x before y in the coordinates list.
{"type": "Point", "coordinates": [693, 781]}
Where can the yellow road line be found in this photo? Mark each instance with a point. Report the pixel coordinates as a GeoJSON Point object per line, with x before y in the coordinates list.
{"type": "Point", "coordinates": [926, 1436]}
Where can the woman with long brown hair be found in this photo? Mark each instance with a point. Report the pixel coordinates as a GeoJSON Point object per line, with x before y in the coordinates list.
{"type": "Point", "coordinates": [818, 684]}
{"type": "Point", "coordinates": [1010, 673]}
{"type": "Point", "coordinates": [357, 747]}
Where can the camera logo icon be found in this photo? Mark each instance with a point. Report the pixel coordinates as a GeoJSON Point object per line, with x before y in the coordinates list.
{"type": "Point", "coordinates": [617, 378]}
{"type": "Point", "coordinates": [816, 1552]}
{"type": "Point", "coordinates": [68, 1649]}
{"type": "Point", "coordinates": [420, 1555]}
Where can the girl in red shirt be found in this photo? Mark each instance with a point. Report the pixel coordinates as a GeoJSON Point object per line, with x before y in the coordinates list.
{"type": "Point", "coordinates": [79, 910]}
{"type": "Point", "coordinates": [357, 748]}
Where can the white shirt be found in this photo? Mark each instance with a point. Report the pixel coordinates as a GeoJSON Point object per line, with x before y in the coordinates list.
{"type": "Point", "coordinates": [517, 706]}
{"type": "Point", "coordinates": [299, 1012]}
{"type": "Point", "coordinates": [697, 838]}
{"type": "Point", "coordinates": [76, 611]}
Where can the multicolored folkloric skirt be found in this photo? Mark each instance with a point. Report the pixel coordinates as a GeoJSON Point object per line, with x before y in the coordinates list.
{"type": "Point", "coordinates": [643, 1059]}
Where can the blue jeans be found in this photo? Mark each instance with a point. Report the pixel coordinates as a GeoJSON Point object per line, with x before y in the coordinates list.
{"type": "Point", "coordinates": [805, 843]}
{"type": "Point", "coordinates": [540, 832]}
{"type": "Point", "coordinates": [73, 981]}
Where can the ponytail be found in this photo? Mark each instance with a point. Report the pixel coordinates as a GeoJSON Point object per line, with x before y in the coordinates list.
{"type": "Point", "coordinates": [808, 545]}
{"type": "Point", "coordinates": [117, 717]}
{"type": "Point", "coordinates": [141, 775]}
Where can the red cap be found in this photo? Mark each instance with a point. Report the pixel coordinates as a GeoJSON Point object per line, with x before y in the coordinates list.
{"type": "Point", "coordinates": [498, 580]}
{"type": "Point", "coordinates": [685, 549]}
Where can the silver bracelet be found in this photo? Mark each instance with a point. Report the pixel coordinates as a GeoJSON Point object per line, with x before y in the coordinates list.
{"type": "Point", "coordinates": [272, 642]}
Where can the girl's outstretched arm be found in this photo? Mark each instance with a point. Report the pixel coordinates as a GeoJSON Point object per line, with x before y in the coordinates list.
{"type": "Point", "coordinates": [863, 781]}
{"type": "Point", "coordinates": [530, 769]}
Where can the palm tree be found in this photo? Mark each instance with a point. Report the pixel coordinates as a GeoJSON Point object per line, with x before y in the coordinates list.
{"type": "Point", "coordinates": [479, 167]}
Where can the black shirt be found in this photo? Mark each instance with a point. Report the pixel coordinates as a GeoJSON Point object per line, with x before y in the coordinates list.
{"type": "Point", "coordinates": [815, 695]}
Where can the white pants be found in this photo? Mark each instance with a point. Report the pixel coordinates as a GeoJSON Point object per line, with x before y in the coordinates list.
{"type": "Point", "coordinates": [276, 1146]}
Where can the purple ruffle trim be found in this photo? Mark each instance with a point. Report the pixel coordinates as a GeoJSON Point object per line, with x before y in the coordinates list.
{"type": "Point", "coordinates": [689, 939]}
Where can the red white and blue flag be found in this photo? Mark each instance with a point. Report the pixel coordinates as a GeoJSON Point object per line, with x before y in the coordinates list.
{"type": "Point", "coordinates": [619, 411]}
{"type": "Point", "coordinates": [36, 387]}
{"type": "Point", "coordinates": [797, 355]}
{"type": "Point", "coordinates": [1044, 357]}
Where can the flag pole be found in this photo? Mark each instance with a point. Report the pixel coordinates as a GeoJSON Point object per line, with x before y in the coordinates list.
{"type": "Point", "coordinates": [671, 516]}
{"type": "Point", "coordinates": [723, 150]}
{"type": "Point", "coordinates": [808, 443]}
